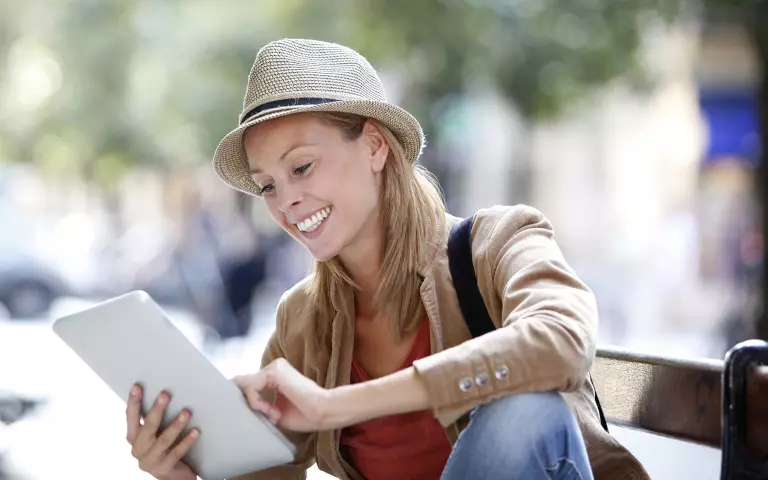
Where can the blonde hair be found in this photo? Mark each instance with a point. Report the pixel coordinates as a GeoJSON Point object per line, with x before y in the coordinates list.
{"type": "Point", "coordinates": [411, 208]}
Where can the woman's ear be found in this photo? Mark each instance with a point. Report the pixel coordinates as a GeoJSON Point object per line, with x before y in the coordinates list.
{"type": "Point", "coordinates": [375, 144]}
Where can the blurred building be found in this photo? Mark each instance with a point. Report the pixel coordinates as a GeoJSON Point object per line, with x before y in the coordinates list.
{"type": "Point", "coordinates": [649, 190]}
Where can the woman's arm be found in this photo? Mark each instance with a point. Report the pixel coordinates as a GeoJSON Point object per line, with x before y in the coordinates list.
{"type": "Point", "coordinates": [548, 318]}
{"type": "Point", "coordinates": [399, 392]}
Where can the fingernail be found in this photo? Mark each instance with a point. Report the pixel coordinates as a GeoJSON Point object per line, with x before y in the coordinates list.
{"type": "Point", "coordinates": [194, 433]}
{"type": "Point", "coordinates": [183, 417]}
{"type": "Point", "coordinates": [163, 399]}
{"type": "Point", "coordinates": [134, 390]}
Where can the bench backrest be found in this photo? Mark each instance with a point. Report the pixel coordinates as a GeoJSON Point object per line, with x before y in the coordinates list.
{"type": "Point", "coordinates": [676, 397]}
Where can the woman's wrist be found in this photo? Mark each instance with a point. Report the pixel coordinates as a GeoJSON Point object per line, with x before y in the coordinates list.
{"type": "Point", "coordinates": [400, 392]}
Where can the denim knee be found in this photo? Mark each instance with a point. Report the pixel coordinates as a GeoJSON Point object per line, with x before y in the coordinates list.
{"type": "Point", "coordinates": [531, 433]}
{"type": "Point", "coordinates": [526, 419]}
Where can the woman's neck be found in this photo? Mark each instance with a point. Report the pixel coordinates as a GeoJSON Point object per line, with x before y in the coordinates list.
{"type": "Point", "coordinates": [362, 261]}
{"type": "Point", "coordinates": [365, 274]}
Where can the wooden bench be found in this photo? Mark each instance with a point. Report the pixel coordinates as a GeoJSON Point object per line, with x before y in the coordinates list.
{"type": "Point", "coordinates": [723, 404]}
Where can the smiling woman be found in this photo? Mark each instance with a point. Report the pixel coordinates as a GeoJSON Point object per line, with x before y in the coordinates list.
{"type": "Point", "coordinates": [340, 167]}
{"type": "Point", "coordinates": [372, 371]}
{"type": "Point", "coordinates": [303, 164]}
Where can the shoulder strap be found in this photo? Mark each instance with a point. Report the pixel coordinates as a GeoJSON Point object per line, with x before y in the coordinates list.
{"type": "Point", "coordinates": [464, 279]}
{"type": "Point", "coordinates": [470, 299]}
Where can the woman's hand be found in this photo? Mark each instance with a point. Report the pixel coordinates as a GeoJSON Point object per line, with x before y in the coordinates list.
{"type": "Point", "coordinates": [159, 454]}
{"type": "Point", "coordinates": [300, 404]}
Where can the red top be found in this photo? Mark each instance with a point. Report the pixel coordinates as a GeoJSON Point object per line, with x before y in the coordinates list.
{"type": "Point", "coordinates": [406, 446]}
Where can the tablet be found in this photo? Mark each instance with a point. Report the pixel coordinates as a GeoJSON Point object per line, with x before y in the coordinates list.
{"type": "Point", "coordinates": [128, 340]}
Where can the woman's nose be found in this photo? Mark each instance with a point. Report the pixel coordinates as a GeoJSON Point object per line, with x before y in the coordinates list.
{"type": "Point", "coordinates": [289, 197]}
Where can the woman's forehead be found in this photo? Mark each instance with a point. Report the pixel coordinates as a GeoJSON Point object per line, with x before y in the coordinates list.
{"type": "Point", "coordinates": [274, 139]}
{"type": "Point", "coordinates": [288, 129]}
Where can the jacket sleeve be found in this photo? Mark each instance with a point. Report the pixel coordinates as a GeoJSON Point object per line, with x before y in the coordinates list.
{"type": "Point", "coordinates": [548, 319]}
{"type": "Point", "coordinates": [305, 442]}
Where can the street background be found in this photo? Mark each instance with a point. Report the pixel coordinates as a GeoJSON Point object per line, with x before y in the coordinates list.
{"type": "Point", "coordinates": [632, 125]}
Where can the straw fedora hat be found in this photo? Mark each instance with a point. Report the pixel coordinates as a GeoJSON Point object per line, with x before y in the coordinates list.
{"type": "Point", "coordinates": [294, 76]}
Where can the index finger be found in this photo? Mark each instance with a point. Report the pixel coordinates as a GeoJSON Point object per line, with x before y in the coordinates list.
{"type": "Point", "coordinates": [133, 414]}
{"type": "Point", "coordinates": [256, 381]}
{"type": "Point", "coordinates": [241, 380]}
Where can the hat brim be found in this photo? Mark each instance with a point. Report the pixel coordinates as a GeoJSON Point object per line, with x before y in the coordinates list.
{"type": "Point", "coordinates": [231, 162]}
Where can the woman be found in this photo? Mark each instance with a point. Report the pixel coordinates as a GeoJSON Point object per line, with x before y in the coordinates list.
{"type": "Point", "coordinates": [374, 369]}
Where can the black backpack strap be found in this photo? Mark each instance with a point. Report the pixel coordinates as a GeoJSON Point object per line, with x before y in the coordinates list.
{"type": "Point", "coordinates": [464, 279]}
{"type": "Point", "coordinates": [603, 421]}
{"type": "Point", "coordinates": [470, 299]}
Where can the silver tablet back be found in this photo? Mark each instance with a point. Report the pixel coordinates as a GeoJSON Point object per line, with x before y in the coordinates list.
{"type": "Point", "coordinates": [128, 340]}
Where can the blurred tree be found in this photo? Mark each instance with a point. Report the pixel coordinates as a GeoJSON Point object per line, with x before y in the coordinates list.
{"type": "Point", "coordinates": [143, 82]}
{"type": "Point", "coordinates": [133, 82]}
{"type": "Point", "coordinates": [541, 54]}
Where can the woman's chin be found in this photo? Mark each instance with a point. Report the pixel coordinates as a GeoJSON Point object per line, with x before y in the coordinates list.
{"type": "Point", "coordinates": [321, 254]}
{"type": "Point", "coordinates": [322, 258]}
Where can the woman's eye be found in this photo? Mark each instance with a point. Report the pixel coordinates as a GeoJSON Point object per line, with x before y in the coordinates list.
{"type": "Point", "coordinates": [302, 169]}
{"type": "Point", "coordinates": [266, 189]}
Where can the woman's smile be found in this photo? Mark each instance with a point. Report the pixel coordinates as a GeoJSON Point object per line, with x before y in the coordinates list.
{"type": "Point", "coordinates": [312, 226]}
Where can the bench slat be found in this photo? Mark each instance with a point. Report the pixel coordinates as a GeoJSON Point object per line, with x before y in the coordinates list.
{"type": "Point", "coordinates": [662, 398]}
{"type": "Point", "coordinates": [676, 397]}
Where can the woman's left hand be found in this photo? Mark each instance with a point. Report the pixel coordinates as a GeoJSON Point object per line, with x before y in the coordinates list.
{"type": "Point", "coordinates": [300, 404]}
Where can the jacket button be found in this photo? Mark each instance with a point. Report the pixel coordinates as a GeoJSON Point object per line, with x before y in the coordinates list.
{"type": "Point", "coordinates": [502, 372]}
{"type": "Point", "coordinates": [465, 384]}
{"type": "Point", "coordinates": [481, 379]}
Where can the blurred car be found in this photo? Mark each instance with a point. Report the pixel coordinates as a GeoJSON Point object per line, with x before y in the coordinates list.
{"type": "Point", "coordinates": [28, 287]}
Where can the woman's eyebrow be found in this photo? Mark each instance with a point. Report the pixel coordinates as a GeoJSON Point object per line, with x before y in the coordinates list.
{"type": "Point", "coordinates": [257, 170]}
{"type": "Point", "coordinates": [294, 147]}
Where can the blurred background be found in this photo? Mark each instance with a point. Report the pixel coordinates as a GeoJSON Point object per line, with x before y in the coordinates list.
{"type": "Point", "coordinates": [633, 125]}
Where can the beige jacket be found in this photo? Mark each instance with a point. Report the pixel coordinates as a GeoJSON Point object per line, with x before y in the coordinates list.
{"type": "Point", "coordinates": [547, 340]}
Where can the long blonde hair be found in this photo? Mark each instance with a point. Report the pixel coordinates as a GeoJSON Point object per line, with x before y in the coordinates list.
{"type": "Point", "coordinates": [411, 208]}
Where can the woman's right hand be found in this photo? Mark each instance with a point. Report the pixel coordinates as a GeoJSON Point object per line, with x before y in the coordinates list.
{"type": "Point", "coordinates": [159, 454]}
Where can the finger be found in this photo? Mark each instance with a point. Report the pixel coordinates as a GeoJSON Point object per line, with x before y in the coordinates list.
{"type": "Point", "coordinates": [264, 379]}
{"type": "Point", "coordinates": [258, 381]}
{"type": "Point", "coordinates": [241, 380]}
{"type": "Point", "coordinates": [169, 436]}
{"type": "Point", "coordinates": [257, 403]}
{"type": "Point", "coordinates": [152, 420]}
{"type": "Point", "coordinates": [133, 414]}
{"type": "Point", "coordinates": [275, 415]}
{"type": "Point", "coordinates": [284, 378]}
{"type": "Point", "coordinates": [177, 453]}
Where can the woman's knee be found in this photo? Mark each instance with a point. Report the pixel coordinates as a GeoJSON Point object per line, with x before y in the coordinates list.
{"type": "Point", "coordinates": [525, 416]}
{"type": "Point", "coordinates": [535, 433]}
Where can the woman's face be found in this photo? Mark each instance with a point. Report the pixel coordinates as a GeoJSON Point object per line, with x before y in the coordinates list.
{"type": "Point", "coordinates": [322, 188]}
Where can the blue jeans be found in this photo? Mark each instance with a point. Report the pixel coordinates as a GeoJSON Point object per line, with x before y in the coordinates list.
{"type": "Point", "coordinates": [528, 436]}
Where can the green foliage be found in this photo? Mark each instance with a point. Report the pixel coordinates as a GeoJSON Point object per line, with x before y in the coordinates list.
{"type": "Point", "coordinates": [96, 86]}
{"type": "Point", "coordinates": [542, 53]}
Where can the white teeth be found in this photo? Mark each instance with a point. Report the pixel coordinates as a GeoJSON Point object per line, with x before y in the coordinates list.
{"type": "Point", "coordinates": [314, 221]}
